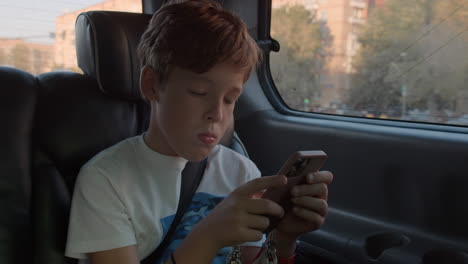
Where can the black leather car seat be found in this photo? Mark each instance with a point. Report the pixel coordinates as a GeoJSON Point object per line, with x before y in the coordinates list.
{"type": "Point", "coordinates": [80, 115]}
{"type": "Point", "coordinates": [17, 103]}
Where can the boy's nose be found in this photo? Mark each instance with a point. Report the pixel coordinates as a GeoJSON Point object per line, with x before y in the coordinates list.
{"type": "Point", "coordinates": [215, 113]}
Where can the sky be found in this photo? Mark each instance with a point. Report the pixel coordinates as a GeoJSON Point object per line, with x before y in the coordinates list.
{"type": "Point", "coordinates": [34, 20]}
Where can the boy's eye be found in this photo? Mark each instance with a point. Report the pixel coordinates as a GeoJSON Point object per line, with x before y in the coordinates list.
{"type": "Point", "coordinates": [229, 101]}
{"type": "Point", "coordinates": [198, 93]}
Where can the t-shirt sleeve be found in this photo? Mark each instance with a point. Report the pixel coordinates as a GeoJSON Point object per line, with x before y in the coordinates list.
{"type": "Point", "coordinates": [254, 172]}
{"type": "Point", "coordinates": [98, 217]}
{"type": "Point", "coordinates": [247, 170]}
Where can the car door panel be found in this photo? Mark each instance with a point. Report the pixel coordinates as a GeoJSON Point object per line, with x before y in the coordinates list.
{"type": "Point", "coordinates": [398, 192]}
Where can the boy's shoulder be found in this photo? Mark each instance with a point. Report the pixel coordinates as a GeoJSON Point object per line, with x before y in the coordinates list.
{"type": "Point", "coordinates": [228, 158]}
{"type": "Point", "coordinates": [114, 156]}
{"type": "Point", "coordinates": [227, 170]}
{"type": "Point", "coordinates": [225, 152]}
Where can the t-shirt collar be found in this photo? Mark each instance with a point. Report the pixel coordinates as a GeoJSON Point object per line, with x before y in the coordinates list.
{"type": "Point", "coordinates": [169, 161]}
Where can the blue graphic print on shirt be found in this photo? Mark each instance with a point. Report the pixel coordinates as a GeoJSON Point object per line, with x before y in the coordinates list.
{"type": "Point", "coordinates": [201, 205]}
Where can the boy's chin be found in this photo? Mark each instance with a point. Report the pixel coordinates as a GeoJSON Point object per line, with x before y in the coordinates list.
{"type": "Point", "coordinates": [199, 155]}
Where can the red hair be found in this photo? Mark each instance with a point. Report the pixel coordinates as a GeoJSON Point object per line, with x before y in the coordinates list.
{"type": "Point", "coordinates": [197, 35]}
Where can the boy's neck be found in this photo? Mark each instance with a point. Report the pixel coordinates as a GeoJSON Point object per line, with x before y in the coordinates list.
{"type": "Point", "coordinates": [150, 139]}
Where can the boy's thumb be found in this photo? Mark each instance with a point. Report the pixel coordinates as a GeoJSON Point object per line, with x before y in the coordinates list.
{"type": "Point", "coordinates": [257, 186]}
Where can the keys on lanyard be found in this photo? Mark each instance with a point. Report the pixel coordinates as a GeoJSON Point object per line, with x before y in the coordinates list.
{"type": "Point", "coordinates": [267, 254]}
{"type": "Point", "coordinates": [235, 256]}
{"type": "Point", "coordinates": [271, 257]}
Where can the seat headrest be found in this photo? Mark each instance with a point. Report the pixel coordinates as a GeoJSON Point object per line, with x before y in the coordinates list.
{"type": "Point", "coordinates": [106, 48]}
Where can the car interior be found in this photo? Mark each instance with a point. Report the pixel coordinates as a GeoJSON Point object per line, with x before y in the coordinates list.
{"type": "Point", "coordinates": [399, 190]}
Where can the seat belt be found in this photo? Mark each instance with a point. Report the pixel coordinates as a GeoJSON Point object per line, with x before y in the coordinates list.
{"type": "Point", "coordinates": [191, 178]}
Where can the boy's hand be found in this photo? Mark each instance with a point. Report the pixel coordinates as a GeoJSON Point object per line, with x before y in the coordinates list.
{"type": "Point", "coordinates": [241, 217]}
{"type": "Point", "coordinates": [310, 206]}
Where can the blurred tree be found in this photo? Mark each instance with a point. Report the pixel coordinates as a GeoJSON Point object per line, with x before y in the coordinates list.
{"type": "Point", "coordinates": [456, 10]}
{"type": "Point", "coordinates": [390, 77]}
{"type": "Point", "coordinates": [387, 32]}
{"type": "Point", "coordinates": [304, 51]}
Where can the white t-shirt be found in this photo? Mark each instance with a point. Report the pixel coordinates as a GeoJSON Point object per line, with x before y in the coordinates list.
{"type": "Point", "coordinates": [128, 195]}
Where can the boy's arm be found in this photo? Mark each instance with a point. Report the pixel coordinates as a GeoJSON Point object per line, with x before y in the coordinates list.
{"type": "Point", "coordinates": [245, 217]}
{"type": "Point", "coordinates": [197, 248]}
{"type": "Point", "coordinates": [123, 255]}
{"type": "Point", "coordinates": [249, 253]}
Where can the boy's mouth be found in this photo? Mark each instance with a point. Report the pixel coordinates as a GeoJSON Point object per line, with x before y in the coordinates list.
{"type": "Point", "coordinates": [207, 138]}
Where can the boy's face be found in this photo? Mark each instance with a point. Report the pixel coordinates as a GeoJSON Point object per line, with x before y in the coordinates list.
{"type": "Point", "coordinates": [190, 111]}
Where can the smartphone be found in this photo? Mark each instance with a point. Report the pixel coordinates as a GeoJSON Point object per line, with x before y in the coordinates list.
{"type": "Point", "coordinates": [295, 168]}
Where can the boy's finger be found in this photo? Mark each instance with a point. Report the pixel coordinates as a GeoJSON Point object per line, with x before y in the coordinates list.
{"type": "Point", "coordinates": [258, 222]}
{"type": "Point", "coordinates": [317, 205]}
{"type": "Point", "coordinates": [315, 190]}
{"type": "Point", "coordinates": [259, 184]}
{"type": "Point", "coordinates": [320, 177]}
{"type": "Point", "coordinates": [311, 217]}
{"type": "Point", "coordinates": [264, 207]}
{"type": "Point", "coordinates": [258, 195]}
{"type": "Point", "coordinates": [250, 235]}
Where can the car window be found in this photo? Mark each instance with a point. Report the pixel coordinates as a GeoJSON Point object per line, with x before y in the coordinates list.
{"type": "Point", "coordinates": [388, 59]}
{"type": "Point", "coordinates": [39, 36]}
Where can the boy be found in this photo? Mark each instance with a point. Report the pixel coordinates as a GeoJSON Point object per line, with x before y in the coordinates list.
{"type": "Point", "coordinates": [196, 58]}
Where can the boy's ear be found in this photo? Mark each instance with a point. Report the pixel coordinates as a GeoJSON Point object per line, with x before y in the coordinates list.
{"type": "Point", "coordinates": [150, 82]}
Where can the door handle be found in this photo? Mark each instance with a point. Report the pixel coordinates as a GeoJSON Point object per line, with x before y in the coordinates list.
{"type": "Point", "coordinates": [376, 244]}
